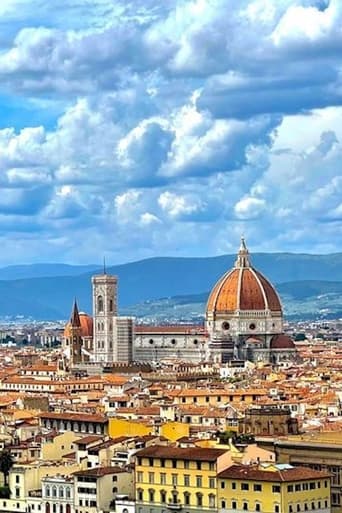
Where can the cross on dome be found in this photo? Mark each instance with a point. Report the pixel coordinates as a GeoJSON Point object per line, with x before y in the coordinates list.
{"type": "Point", "coordinates": [243, 255]}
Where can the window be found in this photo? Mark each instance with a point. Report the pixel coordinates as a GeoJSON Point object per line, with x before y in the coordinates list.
{"type": "Point", "coordinates": [312, 486]}
{"type": "Point", "coordinates": [305, 486]}
{"type": "Point", "coordinates": [140, 494]}
{"type": "Point", "coordinates": [306, 507]}
{"type": "Point", "coordinates": [325, 484]}
{"type": "Point", "coordinates": [199, 499]}
{"type": "Point", "coordinates": [187, 498]}
{"type": "Point", "coordinates": [257, 507]}
{"type": "Point", "coordinates": [223, 504]}
{"type": "Point", "coordinates": [115, 478]}
{"type": "Point", "coordinates": [174, 479]}
{"type": "Point", "coordinates": [233, 504]}
{"type": "Point", "coordinates": [276, 508]}
{"type": "Point", "coordinates": [199, 481]}
{"type": "Point", "coordinates": [257, 487]}
{"type": "Point", "coordinates": [186, 464]}
{"type": "Point", "coordinates": [115, 490]}
{"type": "Point", "coordinates": [199, 465]}
{"type": "Point", "coordinates": [275, 489]}
{"type": "Point", "coordinates": [151, 477]}
{"type": "Point", "coordinates": [245, 506]}
{"type": "Point", "coordinates": [163, 496]}
{"type": "Point", "coordinates": [100, 304]}
{"type": "Point", "coordinates": [211, 500]}
{"type": "Point", "coordinates": [290, 488]}
{"type": "Point", "coordinates": [162, 463]}
{"type": "Point", "coordinates": [212, 466]}
{"type": "Point", "coordinates": [244, 486]}
{"type": "Point", "coordinates": [139, 477]}
{"type": "Point", "coordinates": [298, 487]}
{"type": "Point", "coordinates": [233, 486]}
{"type": "Point", "coordinates": [162, 478]}
{"type": "Point", "coordinates": [212, 482]}
{"type": "Point", "coordinates": [223, 484]}
{"type": "Point", "coordinates": [298, 507]}
{"type": "Point", "coordinates": [17, 479]}
{"type": "Point", "coordinates": [150, 462]}
{"type": "Point", "coordinates": [312, 505]}
{"type": "Point", "coordinates": [174, 464]}
{"type": "Point", "coordinates": [186, 480]}
{"type": "Point", "coordinates": [47, 491]}
{"type": "Point", "coordinates": [151, 495]}
{"type": "Point", "coordinates": [290, 509]}
{"type": "Point", "coordinates": [17, 493]}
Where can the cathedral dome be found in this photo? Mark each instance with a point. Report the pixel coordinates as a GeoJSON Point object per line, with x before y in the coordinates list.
{"type": "Point", "coordinates": [243, 288]}
{"type": "Point", "coordinates": [86, 322]}
{"type": "Point", "coordinates": [282, 342]}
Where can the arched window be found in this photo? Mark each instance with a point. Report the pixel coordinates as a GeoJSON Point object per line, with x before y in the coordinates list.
{"type": "Point", "coordinates": [199, 498]}
{"type": "Point", "coordinates": [61, 508]}
{"type": "Point", "coordinates": [151, 495]}
{"type": "Point", "coordinates": [67, 493]}
{"type": "Point", "coordinates": [54, 491]}
{"type": "Point", "coordinates": [100, 304]}
{"type": "Point", "coordinates": [61, 492]}
{"type": "Point", "coordinates": [110, 305]}
{"type": "Point", "coordinates": [163, 496]}
{"type": "Point", "coordinates": [47, 491]}
{"type": "Point", "coordinates": [140, 494]}
{"type": "Point", "coordinates": [211, 500]}
{"type": "Point", "coordinates": [186, 498]}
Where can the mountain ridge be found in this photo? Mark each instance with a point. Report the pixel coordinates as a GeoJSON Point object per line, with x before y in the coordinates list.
{"type": "Point", "coordinates": [50, 297]}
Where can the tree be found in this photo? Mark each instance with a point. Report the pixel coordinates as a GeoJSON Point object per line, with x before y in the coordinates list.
{"type": "Point", "coordinates": [6, 463]}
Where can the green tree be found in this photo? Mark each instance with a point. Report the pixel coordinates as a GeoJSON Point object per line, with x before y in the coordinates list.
{"type": "Point", "coordinates": [6, 463]}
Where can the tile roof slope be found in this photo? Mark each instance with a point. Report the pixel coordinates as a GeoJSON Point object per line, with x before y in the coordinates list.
{"type": "Point", "coordinates": [190, 453]}
{"type": "Point", "coordinates": [255, 473]}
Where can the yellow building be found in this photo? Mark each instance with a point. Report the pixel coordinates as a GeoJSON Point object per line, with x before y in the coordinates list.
{"type": "Point", "coordinates": [271, 488]}
{"type": "Point", "coordinates": [177, 478]}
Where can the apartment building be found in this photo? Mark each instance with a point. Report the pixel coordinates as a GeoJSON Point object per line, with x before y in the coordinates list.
{"type": "Point", "coordinates": [178, 478]}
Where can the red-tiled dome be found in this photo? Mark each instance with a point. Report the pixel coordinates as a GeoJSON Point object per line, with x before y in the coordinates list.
{"type": "Point", "coordinates": [282, 342]}
{"type": "Point", "coordinates": [86, 326]}
{"type": "Point", "coordinates": [243, 288]}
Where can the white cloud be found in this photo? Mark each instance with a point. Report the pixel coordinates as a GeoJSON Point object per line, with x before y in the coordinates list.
{"type": "Point", "coordinates": [249, 208]}
{"type": "Point", "coordinates": [178, 205]}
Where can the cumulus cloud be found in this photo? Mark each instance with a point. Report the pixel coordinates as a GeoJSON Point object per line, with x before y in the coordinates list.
{"type": "Point", "coordinates": [170, 127]}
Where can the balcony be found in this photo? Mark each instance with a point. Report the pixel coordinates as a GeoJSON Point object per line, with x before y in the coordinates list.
{"type": "Point", "coordinates": [174, 506]}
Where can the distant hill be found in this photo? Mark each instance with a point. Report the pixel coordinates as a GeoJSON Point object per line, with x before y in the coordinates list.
{"type": "Point", "coordinates": [27, 291]}
{"type": "Point", "coordinates": [301, 300]}
{"type": "Point", "coordinates": [15, 272]}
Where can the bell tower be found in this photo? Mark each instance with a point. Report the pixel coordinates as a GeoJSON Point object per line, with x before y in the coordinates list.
{"type": "Point", "coordinates": [104, 310]}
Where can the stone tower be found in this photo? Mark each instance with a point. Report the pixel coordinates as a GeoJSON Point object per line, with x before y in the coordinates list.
{"type": "Point", "coordinates": [104, 311]}
{"type": "Point", "coordinates": [75, 338]}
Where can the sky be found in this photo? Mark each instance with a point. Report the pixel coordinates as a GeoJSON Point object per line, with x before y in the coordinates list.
{"type": "Point", "coordinates": [133, 129]}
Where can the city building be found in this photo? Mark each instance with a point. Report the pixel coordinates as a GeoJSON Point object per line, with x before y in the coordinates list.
{"type": "Point", "coordinates": [177, 478]}
{"type": "Point", "coordinates": [273, 488]}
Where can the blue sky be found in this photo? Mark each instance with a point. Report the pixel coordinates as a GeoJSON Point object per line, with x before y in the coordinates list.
{"type": "Point", "coordinates": [144, 128]}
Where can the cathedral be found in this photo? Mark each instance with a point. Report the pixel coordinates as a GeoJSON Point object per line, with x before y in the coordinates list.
{"type": "Point", "coordinates": [243, 320]}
